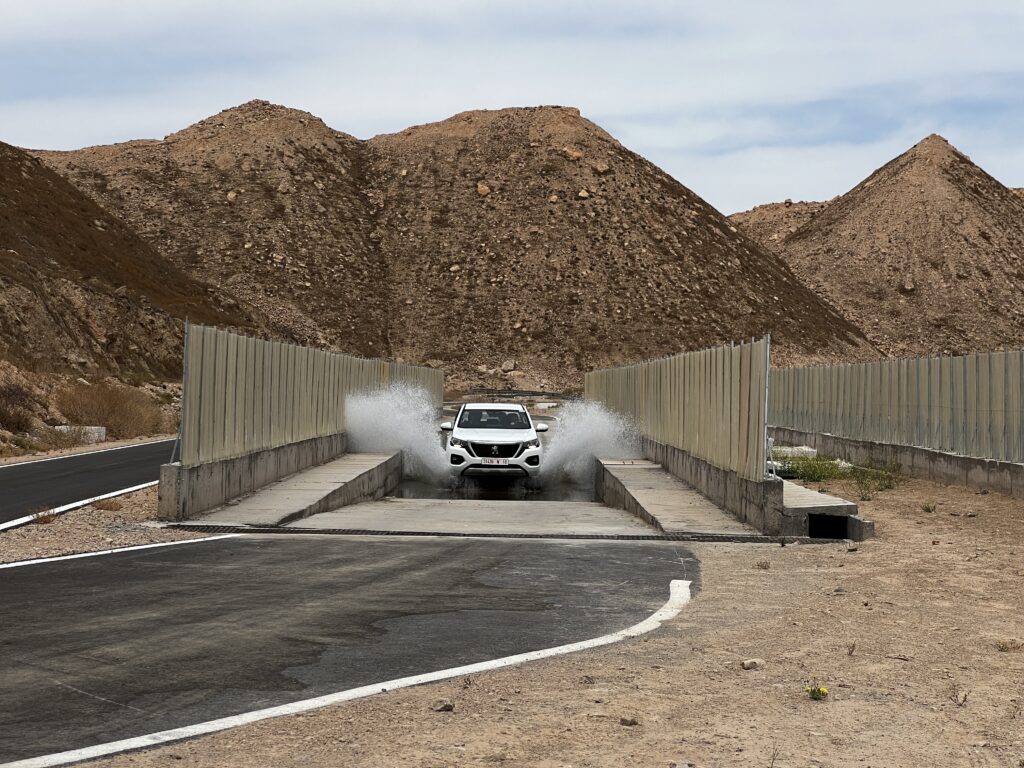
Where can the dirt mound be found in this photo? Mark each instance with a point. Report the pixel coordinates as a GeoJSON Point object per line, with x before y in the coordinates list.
{"type": "Point", "coordinates": [528, 235]}
{"type": "Point", "coordinates": [80, 290]}
{"type": "Point", "coordinates": [532, 234]}
{"type": "Point", "coordinates": [926, 255]}
{"type": "Point", "coordinates": [264, 203]}
{"type": "Point", "coordinates": [772, 223]}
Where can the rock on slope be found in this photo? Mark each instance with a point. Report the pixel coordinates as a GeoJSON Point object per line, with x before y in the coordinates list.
{"type": "Point", "coordinates": [926, 255]}
{"type": "Point", "coordinates": [266, 204]}
{"type": "Point", "coordinates": [78, 289]}
{"type": "Point", "coordinates": [522, 233]}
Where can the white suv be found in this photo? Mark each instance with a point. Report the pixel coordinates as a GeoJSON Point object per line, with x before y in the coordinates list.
{"type": "Point", "coordinates": [493, 439]}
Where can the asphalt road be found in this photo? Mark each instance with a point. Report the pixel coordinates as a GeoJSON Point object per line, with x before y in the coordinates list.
{"type": "Point", "coordinates": [116, 646]}
{"type": "Point", "coordinates": [37, 485]}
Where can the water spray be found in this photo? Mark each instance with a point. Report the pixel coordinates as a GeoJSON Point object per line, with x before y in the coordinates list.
{"type": "Point", "coordinates": [402, 417]}
{"type": "Point", "coordinates": [586, 429]}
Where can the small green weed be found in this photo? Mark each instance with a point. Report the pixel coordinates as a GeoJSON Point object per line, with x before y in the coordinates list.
{"type": "Point", "coordinates": [814, 469]}
{"type": "Point", "coordinates": [870, 480]}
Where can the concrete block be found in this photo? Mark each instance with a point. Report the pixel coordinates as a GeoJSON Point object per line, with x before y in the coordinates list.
{"type": "Point", "coordinates": [88, 435]}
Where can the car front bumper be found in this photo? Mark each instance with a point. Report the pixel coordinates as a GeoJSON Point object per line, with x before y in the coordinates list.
{"type": "Point", "coordinates": [463, 463]}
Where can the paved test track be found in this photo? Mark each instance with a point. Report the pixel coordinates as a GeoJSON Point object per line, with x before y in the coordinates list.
{"type": "Point", "coordinates": [110, 647]}
{"type": "Point", "coordinates": [33, 486]}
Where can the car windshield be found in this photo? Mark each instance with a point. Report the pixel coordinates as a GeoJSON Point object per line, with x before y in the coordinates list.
{"type": "Point", "coordinates": [493, 418]}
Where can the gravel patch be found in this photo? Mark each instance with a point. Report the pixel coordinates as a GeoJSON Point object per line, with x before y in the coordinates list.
{"type": "Point", "coordinates": [107, 524]}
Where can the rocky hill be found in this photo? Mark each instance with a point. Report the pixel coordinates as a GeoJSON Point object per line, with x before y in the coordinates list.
{"type": "Point", "coordinates": [770, 224]}
{"type": "Point", "coordinates": [79, 290]}
{"type": "Point", "coordinates": [926, 254]}
{"type": "Point", "coordinates": [264, 203]}
{"type": "Point", "coordinates": [521, 234]}
{"type": "Point", "coordinates": [532, 234]}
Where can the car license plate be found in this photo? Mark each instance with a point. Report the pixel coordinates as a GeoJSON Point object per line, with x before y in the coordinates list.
{"type": "Point", "coordinates": [495, 462]}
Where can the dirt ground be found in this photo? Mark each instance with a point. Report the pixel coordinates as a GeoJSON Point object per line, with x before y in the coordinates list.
{"type": "Point", "coordinates": [902, 630]}
{"type": "Point", "coordinates": [118, 522]}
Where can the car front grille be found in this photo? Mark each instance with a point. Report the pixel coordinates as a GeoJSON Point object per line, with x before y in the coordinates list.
{"type": "Point", "coordinates": [496, 450]}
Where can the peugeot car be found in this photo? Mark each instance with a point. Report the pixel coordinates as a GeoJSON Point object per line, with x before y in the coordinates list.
{"type": "Point", "coordinates": [494, 440]}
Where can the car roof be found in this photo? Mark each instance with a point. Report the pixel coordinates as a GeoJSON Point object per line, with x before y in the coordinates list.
{"type": "Point", "coordinates": [485, 406]}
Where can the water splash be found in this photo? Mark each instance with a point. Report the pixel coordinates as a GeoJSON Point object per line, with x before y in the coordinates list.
{"type": "Point", "coordinates": [402, 417]}
{"type": "Point", "coordinates": [586, 429]}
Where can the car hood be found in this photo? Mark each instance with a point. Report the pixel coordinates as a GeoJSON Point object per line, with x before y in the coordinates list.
{"type": "Point", "coordinates": [495, 435]}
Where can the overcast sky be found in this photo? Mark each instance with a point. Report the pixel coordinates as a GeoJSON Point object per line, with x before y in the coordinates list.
{"type": "Point", "coordinates": [743, 101]}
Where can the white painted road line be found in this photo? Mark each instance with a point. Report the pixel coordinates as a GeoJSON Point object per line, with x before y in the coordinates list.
{"type": "Point", "coordinates": [75, 504]}
{"type": "Point", "coordinates": [116, 551]}
{"type": "Point", "coordinates": [86, 453]}
{"type": "Point", "coordinates": [679, 595]}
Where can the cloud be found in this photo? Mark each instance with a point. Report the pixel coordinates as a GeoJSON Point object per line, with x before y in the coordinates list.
{"type": "Point", "coordinates": [743, 101]}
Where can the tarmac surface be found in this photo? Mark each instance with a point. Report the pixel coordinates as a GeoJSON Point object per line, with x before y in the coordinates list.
{"type": "Point", "coordinates": [110, 647]}
{"type": "Point", "coordinates": [34, 486]}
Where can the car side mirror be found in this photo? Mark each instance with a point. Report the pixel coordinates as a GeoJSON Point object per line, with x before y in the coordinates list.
{"type": "Point", "coordinates": [446, 426]}
{"type": "Point", "coordinates": [541, 427]}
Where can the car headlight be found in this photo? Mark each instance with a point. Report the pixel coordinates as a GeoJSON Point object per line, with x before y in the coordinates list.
{"type": "Point", "coordinates": [535, 443]}
{"type": "Point", "coordinates": [456, 443]}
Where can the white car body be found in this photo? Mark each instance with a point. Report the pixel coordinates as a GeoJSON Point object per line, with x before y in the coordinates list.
{"type": "Point", "coordinates": [476, 449]}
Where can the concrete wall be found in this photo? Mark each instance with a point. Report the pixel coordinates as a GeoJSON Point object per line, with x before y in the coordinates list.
{"type": "Point", "coordinates": [971, 405]}
{"type": "Point", "coordinates": [756, 502]}
{"type": "Point", "coordinates": [188, 491]}
{"type": "Point", "coordinates": [709, 403]}
{"type": "Point", "coordinates": [947, 468]}
{"type": "Point", "coordinates": [244, 395]}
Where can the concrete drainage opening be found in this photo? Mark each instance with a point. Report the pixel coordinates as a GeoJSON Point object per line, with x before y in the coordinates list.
{"type": "Point", "coordinates": [828, 526]}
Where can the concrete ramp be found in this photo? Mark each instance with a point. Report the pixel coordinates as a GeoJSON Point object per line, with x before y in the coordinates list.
{"type": "Point", "coordinates": [645, 489]}
{"type": "Point", "coordinates": [347, 480]}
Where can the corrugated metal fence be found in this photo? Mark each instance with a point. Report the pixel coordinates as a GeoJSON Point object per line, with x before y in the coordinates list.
{"type": "Point", "coordinates": [710, 403]}
{"type": "Point", "coordinates": [970, 405]}
{"type": "Point", "coordinates": [243, 394]}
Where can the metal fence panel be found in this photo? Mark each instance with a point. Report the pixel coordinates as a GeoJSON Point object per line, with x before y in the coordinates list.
{"type": "Point", "coordinates": [710, 403]}
{"type": "Point", "coordinates": [243, 394]}
{"type": "Point", "coordinates": [970, 405]}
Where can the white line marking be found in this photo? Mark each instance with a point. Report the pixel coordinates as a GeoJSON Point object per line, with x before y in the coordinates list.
{"type": "Point", "coordinates": [117, 550]}
{"type": "Point", "coordinates": [99, 698]}
{"type": "Point", "coordinates": [87, 453]}
{"type": "Point", "coordinates": [75, 505]}
{"type": "Point", "coordinates": [679, 595]}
